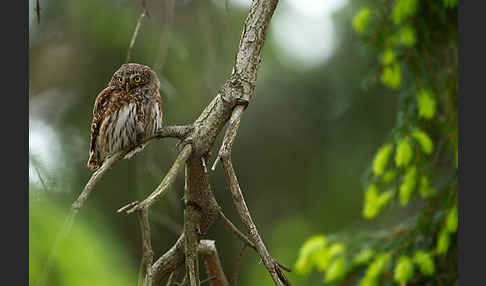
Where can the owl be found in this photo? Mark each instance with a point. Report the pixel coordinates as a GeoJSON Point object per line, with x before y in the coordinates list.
{"type": "Point", "coordinates": [125, 113]}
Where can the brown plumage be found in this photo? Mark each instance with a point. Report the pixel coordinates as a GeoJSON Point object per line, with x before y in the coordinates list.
{"type": "Point", "coordinates": [125, 113]}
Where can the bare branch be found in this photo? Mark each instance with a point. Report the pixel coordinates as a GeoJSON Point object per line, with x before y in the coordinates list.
{"type": "Point", "coordinates": [209, 279]}
{"type": "Point", "coordinates": [268, 261]}
{"type": "Point", "coordinates": [174, 131]}
{"type": "Point", "coordinates": [145, 275]}
{"type": "Point", "coordinates": [236, 231]}
{"type": "Point", "coordinates": [135, 32]}
{"type": "Point", "coordinates": [207, 250]}
{"type": "Point", "coordinates": [237, 265]}
{"type": "Point", "coordinates": [75, 207]}
{"type": "Point", "coordinates": [230, 135]}
{"type": "Point", "coordinates": [170, 261]}
{"type": "Point", "coordinates": [37, 10]}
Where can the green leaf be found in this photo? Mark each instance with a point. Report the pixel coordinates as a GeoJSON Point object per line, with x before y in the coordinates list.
{"type": "Point", "coordinates": [404, 153]}
{"type": "Point", "coordinates": [363, 256]}
{"type": "Point", "coordinates": [305, 261]}
{"type": "Point", "coordinates": [388, 57]}
{"type": "Point", "coordinates": [336, 248]}
{"type": "Point", "coordinates": [424, 141]}
{"type": "Point", "coordinates": [383, 199]}
{"type": "Point", "coordinates": [370, 209]}
{"type": "Point", "coordinates": [407, 36]}
{"type": "Point", "coordinates": [368, 281]}
{"type": "Point", "coordinates": [336, 270]}
{"type": "Point", "coordinates": [452, 220]}
{"type": "Point", "coordinates": [392, 76]}
{"type": "Point", "coordinates": [425, 262]}
{"type": "Point", "coordinates": [323, 257]}
{"type": "Point", "coordinates": [389, 176]}
{"type": "Point", "coordinates": [426, 104]}
{"type": "Point", "coordinates": [375, 269]}
{"type": "Point", "coordinates": [408, 185]}
{"type": "Point", "coordinates": [443, 242]}
{"type": "Point", "coordinates": [381, 159]}
{"type": "Point", "coordinates": [403, 9]}
{"type": "Point", "coordinates": [378, 265]}
{"type": "Point", "coordinates": [374, 201]}
{"type": "Point", "coordinates": [425, 189]}
{"type": "Point", "coordinates": [361, 19]}
{"type": "Point", "coordinates": [403, 269]}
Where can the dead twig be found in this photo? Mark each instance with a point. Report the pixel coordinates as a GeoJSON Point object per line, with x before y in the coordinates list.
{"type": "Point", "coordinates": [37, 10]}
{"type": "Point", "coordinates": [135, 32]}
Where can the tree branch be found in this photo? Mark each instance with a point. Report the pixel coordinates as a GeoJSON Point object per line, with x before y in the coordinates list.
{"type": "Point", "coordinates": [145, 273]}
{"type": "Point", "coordinates": [135, 32]}
{"type": "Point", "coordinates": [37, 10]}
{"type": "Point", "coordinates": [272, 266]}
{"type": "Point", "coordinates": [230, 135]}
{"type": "Point", "coordinates": [207, 250]}
{"type": "Point", "coordinates": [236, 231]}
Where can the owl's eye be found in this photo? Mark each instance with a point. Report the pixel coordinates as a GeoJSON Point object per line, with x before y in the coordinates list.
{"type": "Point", "coordinates": [119, 80]}
{"type": "Point", "coordinates": [138, 78]}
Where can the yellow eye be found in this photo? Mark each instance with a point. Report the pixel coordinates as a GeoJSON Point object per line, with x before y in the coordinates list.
{"type": "Point", "coordinates": [120, 80]}
{"type": "Point", "coordinates": [138, 78]}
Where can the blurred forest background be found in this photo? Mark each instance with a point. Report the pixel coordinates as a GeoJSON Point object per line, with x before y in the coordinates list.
{"type": "Point", "coordinates": [303, 153]}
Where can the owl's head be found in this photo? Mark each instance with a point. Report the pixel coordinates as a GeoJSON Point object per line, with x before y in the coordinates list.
{"type": "Point", "coordinates": [132, 76]}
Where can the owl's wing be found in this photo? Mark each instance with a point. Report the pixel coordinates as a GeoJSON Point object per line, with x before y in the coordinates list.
{"type": "Point", "coordinates": [100, 106]}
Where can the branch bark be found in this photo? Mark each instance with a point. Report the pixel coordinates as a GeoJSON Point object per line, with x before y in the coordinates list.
{"type": "Point", "coordinates": [207, 250]}
{"type": "Point", "coordinates": [145, 273]}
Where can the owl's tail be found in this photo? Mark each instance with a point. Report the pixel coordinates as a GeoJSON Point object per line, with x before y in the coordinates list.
{"type": "Point", "coordinates": [93, 162]}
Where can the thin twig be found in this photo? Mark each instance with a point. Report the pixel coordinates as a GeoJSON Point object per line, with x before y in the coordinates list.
{"type": "Point", "coordinates": [245, 239]}
{"type": "Point", "coordinates": [75, 207]}
{"type": "Point", "coordinates": [237, 265]}
{"type": "Point", "coordinates": [239, 201]}
{"type": "Point", "coordinates": [236, 231]}
{"type": "Point", "coordinates": [172, 277]}
{"type": "Point", "coordinates": [229, 136]}
{"type": "Point", "coordinates": [37, 10]}
{"type": "Point", "coordinates": [209, 279]}
{"type": "Point", "coordinates": [44, 186]}
{"type": "Point", "coordinates": [135, 34]}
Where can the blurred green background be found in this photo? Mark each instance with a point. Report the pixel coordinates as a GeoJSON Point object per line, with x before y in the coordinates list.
{"type": "Point", "coordinates": [309, 134]}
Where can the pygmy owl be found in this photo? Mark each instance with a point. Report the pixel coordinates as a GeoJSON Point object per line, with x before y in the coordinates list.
{"type": "Point", "coordinates": [125, 113]}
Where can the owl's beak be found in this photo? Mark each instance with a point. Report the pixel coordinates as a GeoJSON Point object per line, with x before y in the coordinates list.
{"type": "Point", "coordinates": [126, 86]}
